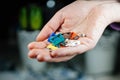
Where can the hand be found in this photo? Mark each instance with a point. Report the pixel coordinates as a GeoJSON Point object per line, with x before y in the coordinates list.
{"type": "Point", "coordinates": [88, 17]}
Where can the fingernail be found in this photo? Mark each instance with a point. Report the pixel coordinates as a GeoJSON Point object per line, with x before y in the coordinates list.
{"type": "Point", "coordinates": [40, 59]}
{"type": "Point", "coordinates": [53, 54]}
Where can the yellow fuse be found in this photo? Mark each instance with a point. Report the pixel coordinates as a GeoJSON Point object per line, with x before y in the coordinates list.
{"type": "Point", "coordinates": [51, 47]}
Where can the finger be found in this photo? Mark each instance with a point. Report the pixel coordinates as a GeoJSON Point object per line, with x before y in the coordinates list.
{"type": "Point", "coordinates": [40, 54]}
{"type": "Point", "coordinates": [50, 27]}
{"type": "Point", "coordinates": [33, 53]}
{"type": "Point", "coordinates": [44, 55]}
{"type": "Point", "coordinates": [37, 45]}
{"type": "Point", "coordinates": [40, 58]}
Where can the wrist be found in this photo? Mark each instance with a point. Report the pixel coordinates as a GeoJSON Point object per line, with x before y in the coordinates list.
{"type": "Point", "coordinates": [111, 12]}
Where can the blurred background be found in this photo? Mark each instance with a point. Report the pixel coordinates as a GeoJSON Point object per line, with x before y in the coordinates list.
{"type": "Point", "coordinates": [22, 20]}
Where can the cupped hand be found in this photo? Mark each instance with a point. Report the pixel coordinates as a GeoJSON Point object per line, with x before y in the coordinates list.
{"type": "Point", "coordinates": [87, 17]}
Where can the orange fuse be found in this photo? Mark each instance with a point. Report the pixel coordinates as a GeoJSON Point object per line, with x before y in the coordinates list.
{"type": "Point", "coordinates": [74, 36]}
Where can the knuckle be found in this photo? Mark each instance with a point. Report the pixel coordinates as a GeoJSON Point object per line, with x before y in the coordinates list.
{"type": "Point", "coordinates": [40, 59]}
{"type": "Point", "coordinates": [30, 45]}
{"type": "Point", "coordinates": [29, 55]}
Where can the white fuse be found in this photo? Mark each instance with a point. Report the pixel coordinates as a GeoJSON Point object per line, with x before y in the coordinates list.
{"type": "Point", "coordinates": [71, 43]}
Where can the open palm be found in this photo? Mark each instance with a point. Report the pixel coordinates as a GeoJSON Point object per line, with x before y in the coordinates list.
{"type": "Point", "coordinates": [86, 17]}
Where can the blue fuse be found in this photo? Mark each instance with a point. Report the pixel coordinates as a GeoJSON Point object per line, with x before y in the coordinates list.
{"type": "Point", "coordinates": [53, 34]}
{"type": "Point", "coordinates": [57, 39]}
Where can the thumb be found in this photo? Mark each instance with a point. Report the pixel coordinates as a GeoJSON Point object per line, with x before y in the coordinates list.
{"type": "Point", "coordinates": [50, 27]}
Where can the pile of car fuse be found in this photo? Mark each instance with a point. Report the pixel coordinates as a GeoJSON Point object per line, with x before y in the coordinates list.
{"type": "Point", "coordinates": [58, 40]}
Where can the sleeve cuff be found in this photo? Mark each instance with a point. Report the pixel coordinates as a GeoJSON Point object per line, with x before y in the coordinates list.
{"type": "Point", "coordinates": [115, 26]}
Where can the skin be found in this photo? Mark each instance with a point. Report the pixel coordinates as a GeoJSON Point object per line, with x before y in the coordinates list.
{"type": "Point", "coordinates": [88, 17]}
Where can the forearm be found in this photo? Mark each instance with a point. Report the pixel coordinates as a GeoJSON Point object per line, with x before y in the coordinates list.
{"type": "Point", "coordinates": [110, 10]}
